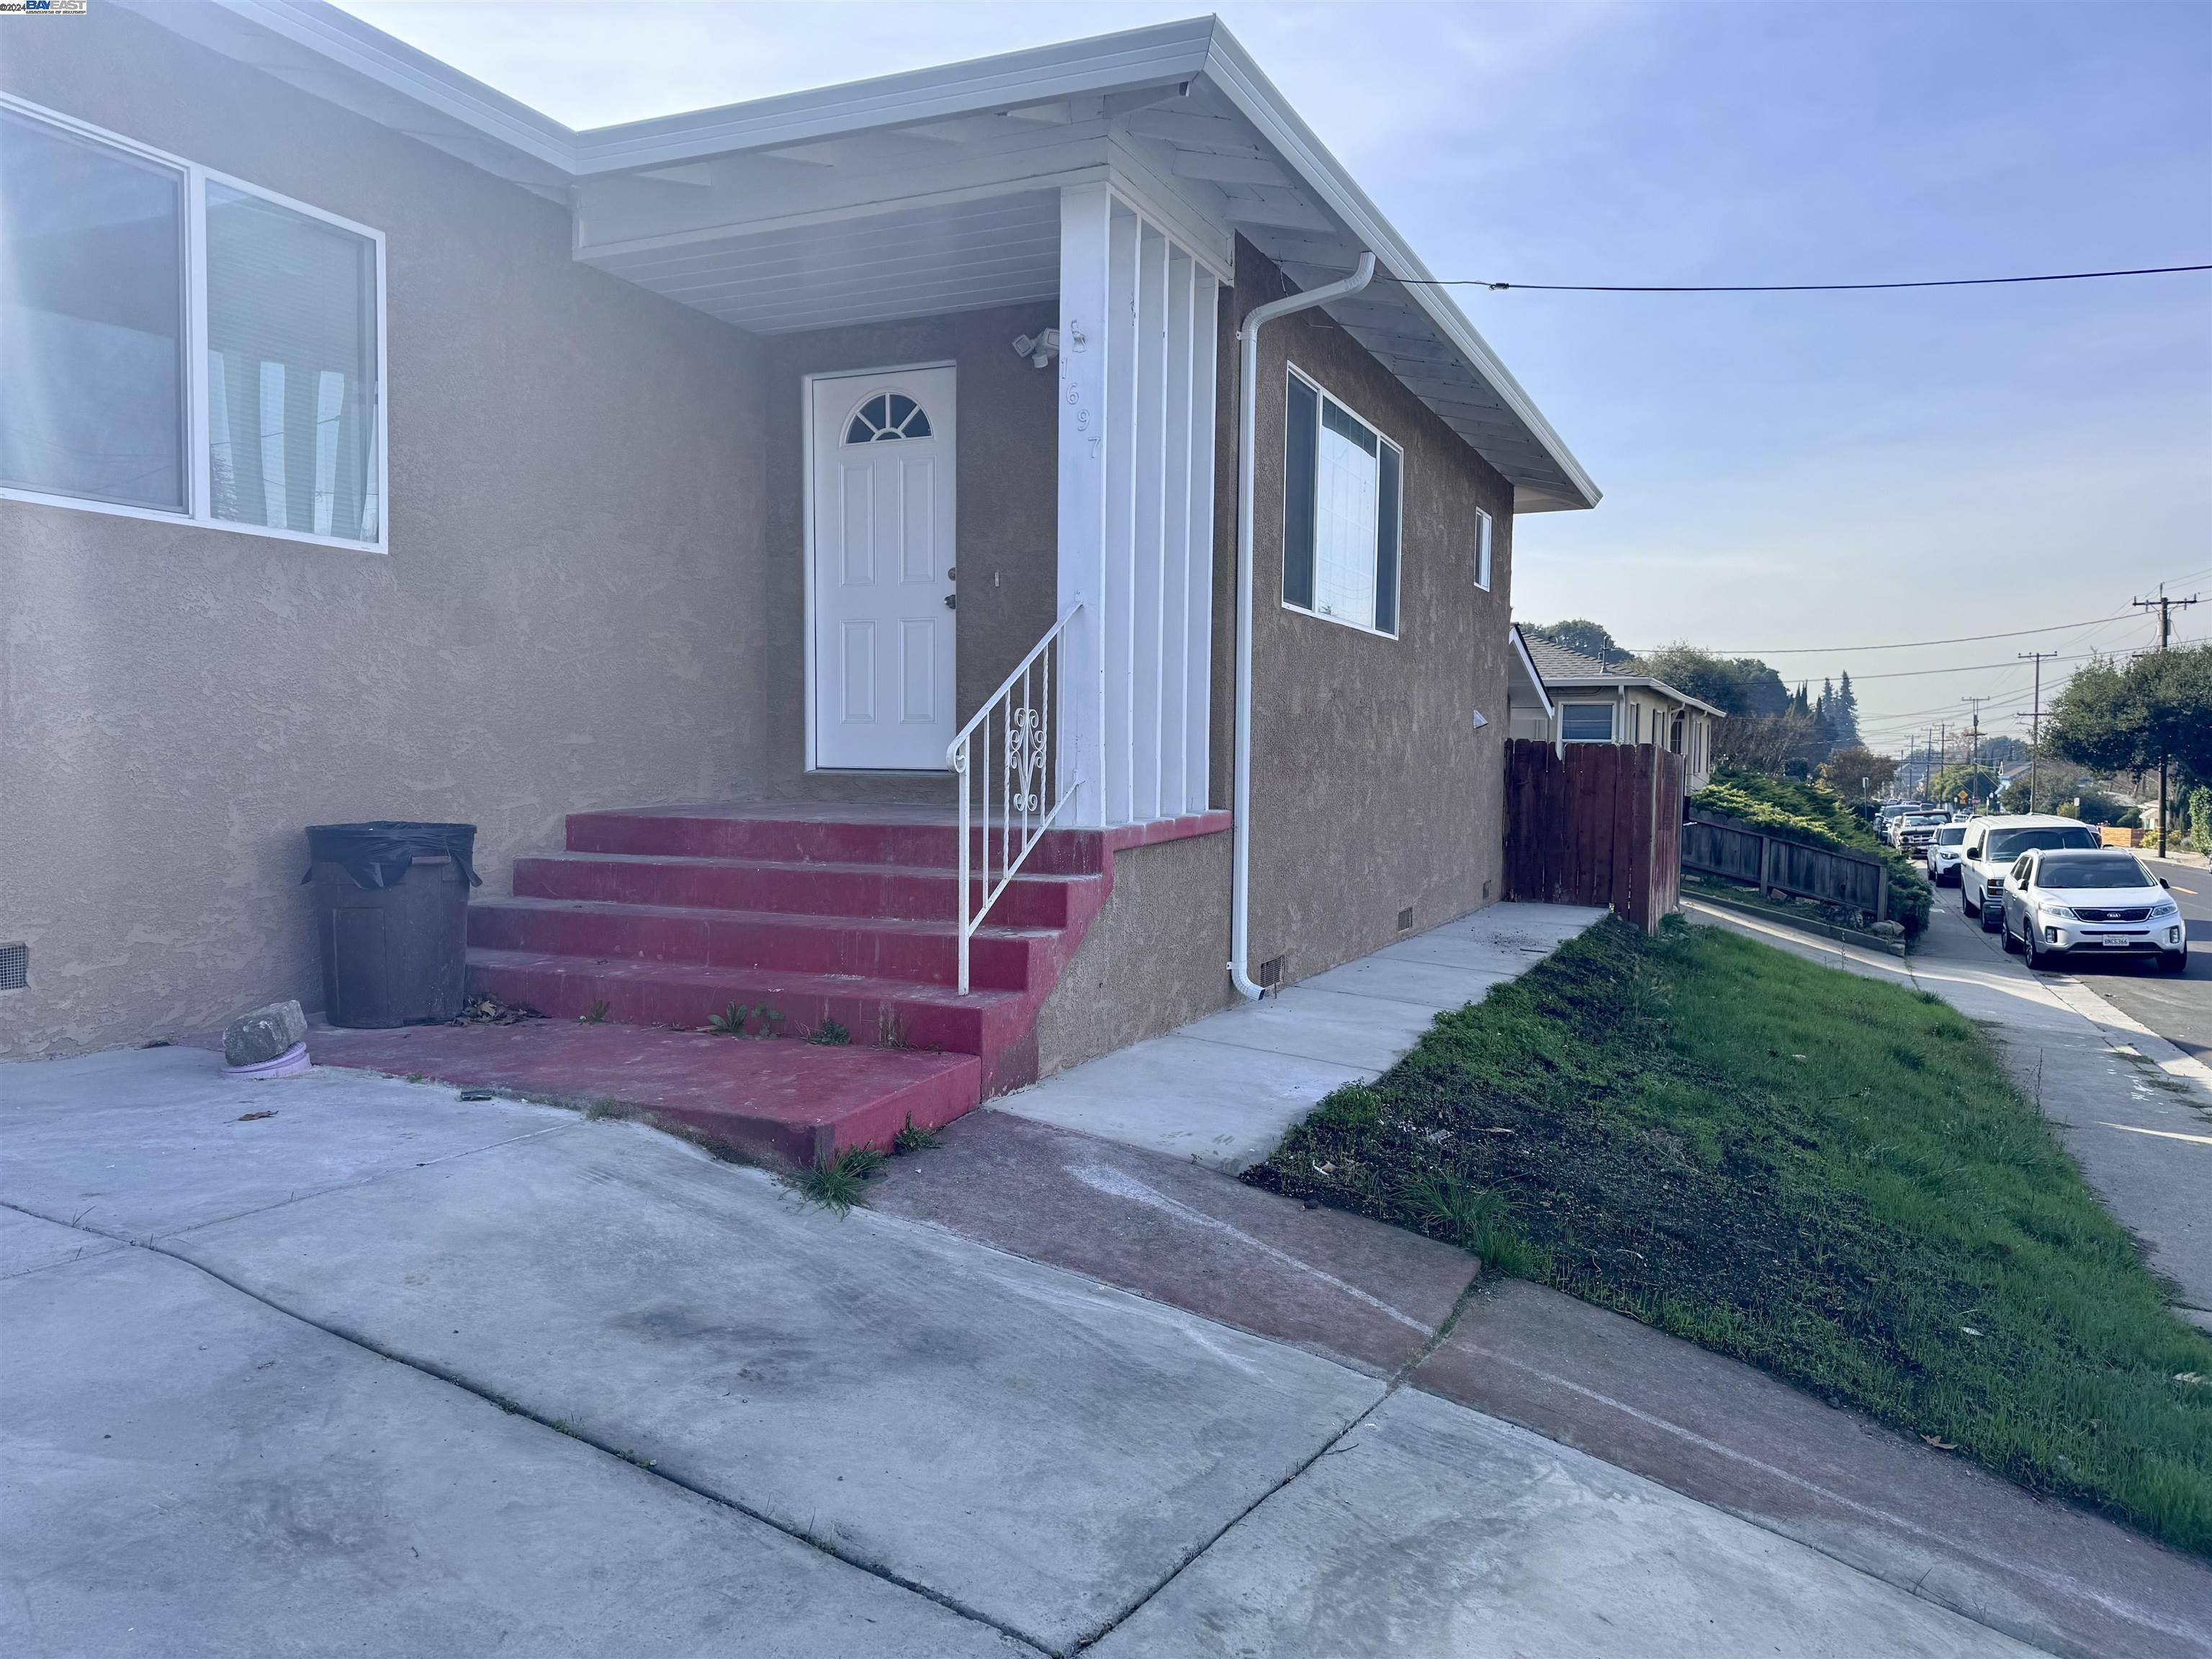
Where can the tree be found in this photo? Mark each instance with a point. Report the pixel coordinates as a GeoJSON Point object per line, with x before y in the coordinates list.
{"type": "Point", "coordinates": [2116, 718]}
{"type": "Point", "coordinates": [1856, 773]}
{"type": "Point", "coordinates": [1738, 686]}
{"type": "Point", "coordinates": [1580, 634]}
{"type": "Point", "coordinates": [1957, 784]}
{"type": "Point", "coordinates": [1845, 719]}
{"type": "Point", "coordinates": [1768, 743]}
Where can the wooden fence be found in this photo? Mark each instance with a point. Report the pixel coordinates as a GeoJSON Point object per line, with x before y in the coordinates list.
{"type": "Point", "coordinates": [1597, 825]}
{"type": "Point", "coordinates": [1716, 845]}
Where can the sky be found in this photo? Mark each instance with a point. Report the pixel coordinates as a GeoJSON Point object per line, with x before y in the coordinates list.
{"type": "Point", "coordinates": [1790, 476]}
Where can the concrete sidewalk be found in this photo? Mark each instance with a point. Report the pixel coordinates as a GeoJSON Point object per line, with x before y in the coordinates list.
{"type": "Point", "coordinates": [1223, 1090]}
{"type": "Point", "coordinates": [388, 1373]}
{"type": "Point", "coordinates": [2134, 1111]}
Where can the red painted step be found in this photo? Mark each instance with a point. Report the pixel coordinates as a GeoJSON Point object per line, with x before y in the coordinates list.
{"type": "Point", "coordinates": [912, 892]}
{"type": "Point", "coordinates": [999, 958]}
{"type": "Point", "coordinates": [668, 915]}
{"type": "Point", "coordinates": [785, 1102]}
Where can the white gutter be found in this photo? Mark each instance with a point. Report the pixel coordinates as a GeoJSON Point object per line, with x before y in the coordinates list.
{"type": "Point", "coordinates": [1247, 421]}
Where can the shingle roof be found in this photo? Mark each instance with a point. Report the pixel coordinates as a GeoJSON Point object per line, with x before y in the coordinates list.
{"type": "Point", "coordinates": [1556, 662]}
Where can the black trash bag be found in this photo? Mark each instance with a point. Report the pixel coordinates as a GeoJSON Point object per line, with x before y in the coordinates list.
{"type": "Point", "coordinates": [379, 854]}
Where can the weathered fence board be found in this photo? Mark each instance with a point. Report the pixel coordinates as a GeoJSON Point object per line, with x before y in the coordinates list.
{"type": "Point", "coordinates": [1597, 825]}
{"type": "Point", "coordinates": [1717, 845]}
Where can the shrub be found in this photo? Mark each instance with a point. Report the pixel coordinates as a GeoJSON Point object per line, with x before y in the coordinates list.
{"type": "Point", "coordinates": [1812, 814]}
{"type": "Point", "coordinates": [2200, 818]}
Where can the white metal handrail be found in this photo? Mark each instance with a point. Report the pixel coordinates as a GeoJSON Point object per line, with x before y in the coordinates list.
{"type": "Point", "coordinates": [1034, 780]}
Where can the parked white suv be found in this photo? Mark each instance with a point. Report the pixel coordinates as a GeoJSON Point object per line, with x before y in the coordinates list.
{"type": "Point", "coordinates": [2103, 902]}
{"type": "Point", "coordinates": [1993, 845]}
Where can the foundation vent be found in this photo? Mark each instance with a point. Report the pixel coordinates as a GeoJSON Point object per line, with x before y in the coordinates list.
{"type": "Point", "coordinates": [1270, 974]}
{"type": "Point", "coordinates": [15, 967]}
{"type": "Point", "coordinates": [1405, 919]}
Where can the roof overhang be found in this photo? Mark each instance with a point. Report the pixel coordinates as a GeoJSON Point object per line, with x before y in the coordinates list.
{"type": "Point", "coordinates": [1523, 684]}
{"type": "Point", "coordinates": [1630, 682]}
{"type": "Point", "coordinates": [726, 207]}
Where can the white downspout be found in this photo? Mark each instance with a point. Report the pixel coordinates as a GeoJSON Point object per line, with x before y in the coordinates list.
{"type": "Point", "coordinates": [1247, 421]}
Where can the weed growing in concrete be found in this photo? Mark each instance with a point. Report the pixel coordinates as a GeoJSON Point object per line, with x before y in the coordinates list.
{"type": "Point", "coordinates": [829, 1034]}
{"type": "Point", "coordinates": [597, 1015]}
{"type": "Point", "coordinates": [891, 1031]}
{"type": "Point", "coordinates": [731, 1022]}
{"type": "Point", "coordinates": [838, 1180]}
{"type": "Point", "coordinates": [913, 1140]}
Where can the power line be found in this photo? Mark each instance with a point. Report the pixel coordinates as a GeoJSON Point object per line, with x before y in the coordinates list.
{"type": "Point", "coordinates": [1785, 288]}
{"type": "Point", "coordinates": [1908, 645]}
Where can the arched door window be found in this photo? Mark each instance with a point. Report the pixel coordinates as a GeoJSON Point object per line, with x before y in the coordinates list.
{"type": "Point", "coordinates": [885, 416]}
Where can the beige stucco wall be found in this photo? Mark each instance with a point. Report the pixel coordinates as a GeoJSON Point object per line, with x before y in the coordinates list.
{"type": "Point", "coordinates": [1372, 792]}
{"type": "Point", "coordinates": [573, 612]}
{"type": "Point", "coordinates": [1005, 533]}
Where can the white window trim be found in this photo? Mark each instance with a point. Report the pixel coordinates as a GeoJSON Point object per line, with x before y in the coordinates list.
{"type": "Point", "coordinates": [1485, 536]}
{"type": "Point", "coordinates": [1613, 720]}
{"type": "Point", "coordinates": [198, 493]}
{"type": "Point", "coordinates": [1296, 373]}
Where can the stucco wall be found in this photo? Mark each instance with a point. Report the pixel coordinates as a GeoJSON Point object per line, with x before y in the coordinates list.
{"type": "Point", "coordinates": [1006, 530]}
{"type": "Point", "coordinates": [1153, 959]}
{"type": "Point", "coordinates": [1371, 790]}
{"type": "Point", "coordinates": [572, 612]}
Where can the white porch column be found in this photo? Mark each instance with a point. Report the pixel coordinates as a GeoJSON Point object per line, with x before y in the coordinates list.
{"type": "Point", "coordinates": [1137, 418]}
{"type": "Point", "coordinates": [1085, 329]}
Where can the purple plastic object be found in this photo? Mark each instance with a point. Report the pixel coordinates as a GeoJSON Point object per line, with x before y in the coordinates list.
{"type": "Point", "coordinates": [290, 1063]}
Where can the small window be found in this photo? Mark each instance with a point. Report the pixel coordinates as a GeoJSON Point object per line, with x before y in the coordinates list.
{"type": "Point", "coordinates": [1586, 722]}
{"type": "Point", "coordinates": [885, 416]}
{"type": "Point", "coordinates": [1482, 538]}
{"type": "Point", "coordinates": [1342, 498]}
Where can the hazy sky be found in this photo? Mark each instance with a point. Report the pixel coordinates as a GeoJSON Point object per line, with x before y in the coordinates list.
{"type": "Point", "coordinates": [1780, 470]}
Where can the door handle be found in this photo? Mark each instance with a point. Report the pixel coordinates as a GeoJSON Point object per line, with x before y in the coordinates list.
{"type": "Point", "coordinates": [951, 601]}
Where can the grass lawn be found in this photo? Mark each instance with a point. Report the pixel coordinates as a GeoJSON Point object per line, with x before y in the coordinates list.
{"type": "Point", "coordinates": [1827, 1176]}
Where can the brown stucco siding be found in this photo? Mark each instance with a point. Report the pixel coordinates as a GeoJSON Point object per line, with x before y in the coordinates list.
{"type": "Point", "coordinates": [571, 613]}
{"type": "Point", "coordinates": [1155, 957]}
{"type": "Point", "coordinates": [1371, 790]}
{"type": "Point", "coordinates": [1005, 530]}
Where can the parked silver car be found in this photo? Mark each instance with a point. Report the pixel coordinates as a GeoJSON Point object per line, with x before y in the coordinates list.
{"type": "Point", "coordinates": [2104, 902]}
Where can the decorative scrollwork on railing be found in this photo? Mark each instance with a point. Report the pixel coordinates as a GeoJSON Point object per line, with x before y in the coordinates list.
{"type": "Point", "coordinates": [1026, 760]}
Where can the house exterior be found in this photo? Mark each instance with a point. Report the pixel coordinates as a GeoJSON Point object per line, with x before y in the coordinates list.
{"type": "Point", "coordinates": [374, 446]}
{"type": "Point", "coordinates": [1593, 703]}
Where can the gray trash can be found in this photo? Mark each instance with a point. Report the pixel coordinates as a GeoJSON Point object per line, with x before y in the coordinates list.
{"type": "Point", "coordinates": [391, 915]}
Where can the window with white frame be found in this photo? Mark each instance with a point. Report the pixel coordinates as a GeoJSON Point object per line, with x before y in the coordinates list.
{"type": "Point", "coordinates": [177, 344]}
{"type": "Point", "coordinates": [1342, 495]}
{"type": "Point", "coordinates": [1482, 535]}
{"type": "Point", "coordinates": [1586, 722]}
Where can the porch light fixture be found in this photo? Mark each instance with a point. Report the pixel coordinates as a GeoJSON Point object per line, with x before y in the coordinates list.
{"type": "Point", "coordinates": [1247, 421]}
{"type": "Point", "coordinates": [1040, 347]}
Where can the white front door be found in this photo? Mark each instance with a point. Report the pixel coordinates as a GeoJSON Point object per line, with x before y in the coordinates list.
{"type": "Point", "coordinates": [882, 506]}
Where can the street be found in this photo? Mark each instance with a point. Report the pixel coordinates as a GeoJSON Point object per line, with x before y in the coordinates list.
{"type": "Point", "coordinates": [2177, 1006]}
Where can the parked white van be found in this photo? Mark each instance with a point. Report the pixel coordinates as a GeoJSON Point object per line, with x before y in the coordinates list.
{"type": "Point", "coordinates": [1994, 845]}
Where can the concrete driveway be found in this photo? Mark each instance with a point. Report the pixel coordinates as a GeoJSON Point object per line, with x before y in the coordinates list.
{"type": "Point", "coordinates": [386, 1372]}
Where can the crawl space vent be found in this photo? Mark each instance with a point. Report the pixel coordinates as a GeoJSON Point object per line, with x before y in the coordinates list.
{"type": "Point", "coordinates": [1270, 974]}
{"type": "Point", "coordinates": [15, 967]}
{"type": "Point", "coordinates": [1404, 918]}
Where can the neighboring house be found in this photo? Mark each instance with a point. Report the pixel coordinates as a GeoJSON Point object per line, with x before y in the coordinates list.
{"type": "Point", "coordinates": [374, 446]}
{"type": "Point", "coordinates": [1590, 702]}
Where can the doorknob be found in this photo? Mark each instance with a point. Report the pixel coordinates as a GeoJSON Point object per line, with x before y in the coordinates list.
{"type": "Point", "coordinates": [951, 601]}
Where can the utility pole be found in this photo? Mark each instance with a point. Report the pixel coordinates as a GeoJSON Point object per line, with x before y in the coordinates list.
{"type": "Point", "coordinates": [1974, 748]}
{"type": "Point", "coordinates": [2165, 608]}
{"type": "Point", "coordinates": [1943, 747]}
{"type": "Point", "coordinates": [2035, 725]}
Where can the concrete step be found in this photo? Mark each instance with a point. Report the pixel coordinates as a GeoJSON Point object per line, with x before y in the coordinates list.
{"type": "Point", "coordinates": [999, 958]}
{"type": "Point", "coordinates": [911, 892]}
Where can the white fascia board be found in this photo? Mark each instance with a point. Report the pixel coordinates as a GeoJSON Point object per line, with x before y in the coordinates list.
{"type": "Point", "coordinates": [1149, 56]}
{"type": "Point", "coordinates": [343, 40]}
{"type": "Point", "coordinates": [1637, 682]}
{"type": "Point", "coordinates": [1528, 667]}
{"type": "Point", "coordinates": [1229, 68]}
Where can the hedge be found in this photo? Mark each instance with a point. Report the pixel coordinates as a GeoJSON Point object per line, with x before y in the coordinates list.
{"type": "Point", "coordinates": [1811, 814]}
